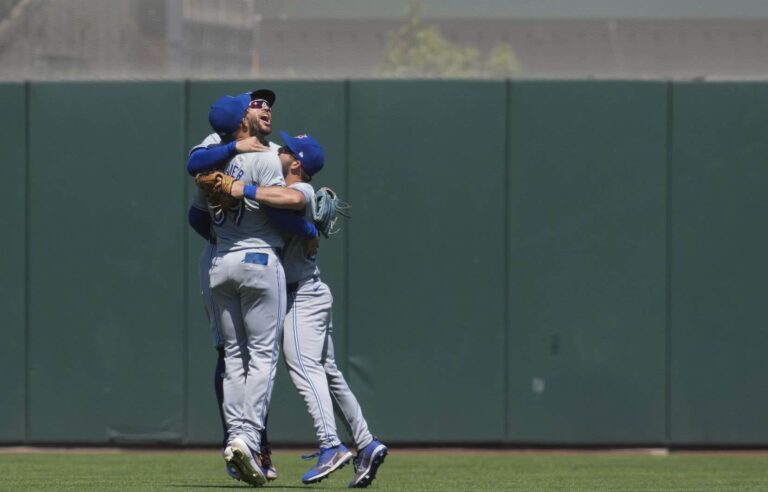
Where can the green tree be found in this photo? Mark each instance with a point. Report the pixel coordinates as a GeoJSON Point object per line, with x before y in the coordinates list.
{"type": "Point", "coordinates": [417, 50]}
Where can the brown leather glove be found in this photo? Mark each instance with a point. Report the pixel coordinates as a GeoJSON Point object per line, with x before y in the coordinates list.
{"type": "Point", "coordinates": [216, 186]}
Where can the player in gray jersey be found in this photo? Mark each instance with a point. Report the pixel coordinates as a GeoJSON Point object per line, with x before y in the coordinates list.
{"type": "Point", "coordinates": [307, 341]}
{"type": "Point", "coordinates": [247, 283]}
{"type": "Point", "coordinates": [212, 154]}
{"type": "Point", "coordinates": [201, 222]}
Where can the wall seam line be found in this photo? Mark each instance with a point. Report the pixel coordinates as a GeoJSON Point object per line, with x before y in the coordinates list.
{"type": "Point", "coordinates": [185, 274]}
{"type": "Point", "coordinates": [27, 216]}
{"type": "Point", "coordinates": [346, 249]}
{"type": "Point", "coordinates": [506, 242]}
{"type": "Point", "coordinates": [668, 269]}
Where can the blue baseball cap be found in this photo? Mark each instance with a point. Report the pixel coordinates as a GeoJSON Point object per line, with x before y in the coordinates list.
{"type": "Point", "coordinates": [227, 112]}
{"type": "Point", "coordinates": [307, 150]}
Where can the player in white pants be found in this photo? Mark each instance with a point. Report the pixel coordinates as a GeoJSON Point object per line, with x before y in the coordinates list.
{"type": "Point", "coordinates": [307, 342]}
{"type": "Point", "coordinates": [201, 222]}
{"type": "Point", "coordinates": [248, 286]}
{"type": "Point", "coordinates": [211, 312]}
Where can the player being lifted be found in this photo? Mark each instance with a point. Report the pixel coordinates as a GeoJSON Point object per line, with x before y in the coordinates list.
{"type": "Point", "coordinates": [307, 342]}
{"type": "Point", "coordinates": [249, 298]}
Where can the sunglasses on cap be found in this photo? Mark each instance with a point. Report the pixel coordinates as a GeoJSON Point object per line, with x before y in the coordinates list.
{"type": "Point", "coordinates": [259, 104]}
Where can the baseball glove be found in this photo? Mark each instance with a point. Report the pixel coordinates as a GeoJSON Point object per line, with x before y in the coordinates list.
{"type": "Point", "coordinates": [216, 187]}
{"type": "Point", "coordinates": [329, 207]}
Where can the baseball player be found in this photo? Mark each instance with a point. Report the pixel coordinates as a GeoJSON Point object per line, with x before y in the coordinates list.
{"type": "Point", "coordinates": [248, 297]}
{"type": "Point", "coordinates": [307, 342]}
{"type": "Point", "coordinates": [200, 221]}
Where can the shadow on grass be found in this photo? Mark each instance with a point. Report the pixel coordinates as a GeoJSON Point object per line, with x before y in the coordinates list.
{"type": "Point", "coordinates": [234, 486]}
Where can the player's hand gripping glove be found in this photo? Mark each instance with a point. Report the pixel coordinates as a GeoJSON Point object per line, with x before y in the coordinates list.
{"type": "Point", "coordinates": [329, 207]}
{"type": "Point", "coordinates": [217, 188]}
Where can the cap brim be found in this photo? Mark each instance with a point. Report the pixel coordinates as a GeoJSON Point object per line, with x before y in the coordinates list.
{"type": "Point", "coordinates": [287, 139]}
{"type": "Point", "coordinates": [265, 94]}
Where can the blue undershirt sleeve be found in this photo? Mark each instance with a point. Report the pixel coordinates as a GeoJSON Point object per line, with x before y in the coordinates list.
{"type": "Point", "coordinates": [206, 159]}
{"type": "Point", "coordinates": [291, 222]}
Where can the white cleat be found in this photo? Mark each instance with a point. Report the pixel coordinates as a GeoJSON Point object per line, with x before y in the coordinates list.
{"type": "Point", "coordinates": [248, 468]}
{"type": "Point", "coordinates": [229, 465]}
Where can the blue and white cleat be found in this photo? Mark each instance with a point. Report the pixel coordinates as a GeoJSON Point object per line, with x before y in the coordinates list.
{"type": "Point", "coordinates": [367, 463]}
{"type": "Point", "coordinates": [330, 460]}
{"type": "Point", "coordinates": [229, 467]}
{"type": "Point", "coordinates": [248, 468]}
{"type": "Point", "coordinates": [232, 471]}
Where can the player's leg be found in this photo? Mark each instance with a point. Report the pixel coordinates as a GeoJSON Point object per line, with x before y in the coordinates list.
{"type": "Point", "coordinates": [218, 341]}
{"type": "Point", "coordinates": [303, 346]}
{"type": "Point", "coordinates": [211, 312]}
{"type": "Point", "coordinates": [218, 384]}
{"type": "Point", "coordinates": [265, 453]}
{"type": "Point", "coordinates": [345, 400]}
{"type": "Point", "coordinates": [235, 357]}
{"type": "Point", "coordinates": [227, 301]}
{"type": "Point", "coordinates": [370, 451]}
{"type": "Point", "coordinates": [303, 340]}
{"type": "Point", "coordinates": [262, 291]}
{"type": "Point", "coordinates": [263, 301]}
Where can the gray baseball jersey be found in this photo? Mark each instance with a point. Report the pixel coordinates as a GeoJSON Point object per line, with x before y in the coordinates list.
{"type": "Point", "coordinates": [212, 139]}
{"type": "Point", "coordinates": [247, 225]}
{"type": "Point", "coordinates": [308, 345]}
{"type": "Point", "coordinates": [297, 265]}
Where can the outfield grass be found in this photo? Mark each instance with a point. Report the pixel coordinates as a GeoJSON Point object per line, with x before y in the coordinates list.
{"type": "Point", "coordinates": [403, 470]}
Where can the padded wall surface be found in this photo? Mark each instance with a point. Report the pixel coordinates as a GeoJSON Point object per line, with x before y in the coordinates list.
{"type": "Point", "coordinates": [13, 282]}
{"type": "Point", "coordinates": [426, 331]}
{"type": "Point", "coordinates": [106, 262]}
{"type": "Point", "coordinates": [587, 262]}
{"type": "Point", "coordinates": [527, 262]}
{"type": "Point", "coordinates": [719, 241]}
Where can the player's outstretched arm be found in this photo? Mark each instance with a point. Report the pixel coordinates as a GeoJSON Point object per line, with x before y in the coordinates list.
{"type": "Point", "coordinates": [206, 159]}
{"type": "Point", "coordinates": [291, 223]}
{"type": "Point", "coordinates": [274, 196]}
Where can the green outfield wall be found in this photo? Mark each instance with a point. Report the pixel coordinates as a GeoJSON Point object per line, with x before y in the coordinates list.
{"type": "Point", "coordinates": [537, 262]}
{"type": "Point", "coordinates": [13, 264]}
